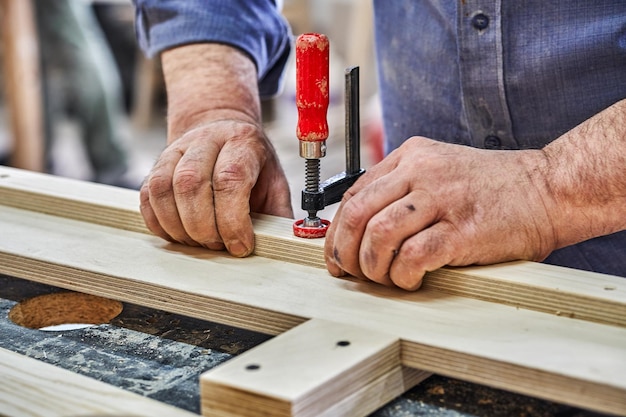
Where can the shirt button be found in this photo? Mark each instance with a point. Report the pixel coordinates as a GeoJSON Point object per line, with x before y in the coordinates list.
{"type": "Point", "coordinates": [480, 21]}
{"type": "Point", "coordinates": [492, 142]}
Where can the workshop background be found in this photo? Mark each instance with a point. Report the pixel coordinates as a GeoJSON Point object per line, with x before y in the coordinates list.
{"type": "Point", "coordinates": [140, 123]}
{"type": "Point", "coordinates": [43, 129]}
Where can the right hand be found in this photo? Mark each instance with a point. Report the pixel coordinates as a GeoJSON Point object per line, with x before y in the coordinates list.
{"type": "Point", "coordinates": [429, 204]}
{"type": "Point", "coordinates": [219, 166]}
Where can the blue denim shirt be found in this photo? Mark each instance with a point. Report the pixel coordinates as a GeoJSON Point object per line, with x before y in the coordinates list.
{"type": "Point", "coordinates": [483, 73]}
{"type": "Point", "coordinates": [254, 26]}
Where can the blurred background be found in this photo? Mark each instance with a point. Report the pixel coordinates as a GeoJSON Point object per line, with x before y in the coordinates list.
{"type": "Point", "coordinates": [78, 98]}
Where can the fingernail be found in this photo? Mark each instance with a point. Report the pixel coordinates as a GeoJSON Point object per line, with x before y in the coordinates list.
{"type": "Point", "coordinates": [238, 249]}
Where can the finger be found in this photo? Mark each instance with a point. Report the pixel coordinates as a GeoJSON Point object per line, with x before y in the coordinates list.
{"type": "Point", "coordinates": [193, 193]}
{"type": "Point", "coordinates": [161, 196]}
{"type": "Point", "coordinates": [331, 249]}
{"type": "Point", "coordinates": [271, 193]}
{"type": "Point", "coordinates": [426, 251]}
{"type": "Point", "coordinates": [387, 230]}
{"type": "Point", "coordinates": [236, 172]}
{"type": "Point", "coordinates": [150, 219]}
{"type": "Point", "coordinates": [355, 213]}
{"type": "Point", "coordinates": [371, 175]}
{"type": "Point", "coordinates": [331, 254]}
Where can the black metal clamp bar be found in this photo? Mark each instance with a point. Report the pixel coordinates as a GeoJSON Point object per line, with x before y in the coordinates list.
{"type": "Point", "coordinates": [331, 191]}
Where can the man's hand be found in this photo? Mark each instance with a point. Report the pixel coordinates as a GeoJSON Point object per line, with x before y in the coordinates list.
{"type": "Point", "coordinates": [219, 166]}
{"type": "Point", "coordinates": [430, 204]}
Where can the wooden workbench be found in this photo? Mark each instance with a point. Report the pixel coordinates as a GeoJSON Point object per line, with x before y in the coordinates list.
{"type": "Point", "coordinates": [548, 332]}
{"type": "Point", "coordinates": [163, 355]}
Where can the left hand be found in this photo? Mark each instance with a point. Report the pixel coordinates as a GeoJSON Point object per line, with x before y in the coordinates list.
{"type": "Point", "coordinates": [431, 204]}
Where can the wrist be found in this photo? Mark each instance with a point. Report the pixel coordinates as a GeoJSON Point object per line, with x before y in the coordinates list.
{"type": "Point", "coordinates": [208, 82]}
{"type": "Point", "coordinates": [585, 176]}
{"type": "Point", "coordinates": [543, 210]}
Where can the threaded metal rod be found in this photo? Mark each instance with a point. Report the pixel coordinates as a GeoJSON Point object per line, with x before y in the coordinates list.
{"type": "Point", "coordinates": [312, 180]}
{"type": "Point", "coordinates": [312, 185]}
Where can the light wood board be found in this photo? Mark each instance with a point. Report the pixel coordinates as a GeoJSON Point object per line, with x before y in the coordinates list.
{"type": "Point", "coordinates": [578, 362]}
{"type": "Point", "coordinates": [528, 285]}
{"type": "Point", "coordinates": [317, 369]}
{"type": "Point", "coordinates": [31, 388]}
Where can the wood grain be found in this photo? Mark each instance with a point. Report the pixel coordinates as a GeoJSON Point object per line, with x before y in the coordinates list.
{"type": "Point", "coordinates": [543, 355]}
{"type": "Point", "coordinates": [31, 388]}
{"type": "Point", "coordinates": [528, 285]}
{"type": "Point", "coordinates": [319, 368]}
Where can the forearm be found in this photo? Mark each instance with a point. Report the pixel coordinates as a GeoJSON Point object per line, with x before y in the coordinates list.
{"type": "Point", "coordinates": [254, 26]}
{"type": "Point", "coordinates": [209, 80]}
{"type": "Point", "coordinates": [585, 178]}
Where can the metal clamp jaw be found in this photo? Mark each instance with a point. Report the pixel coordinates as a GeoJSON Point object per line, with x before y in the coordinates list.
{"type": "Point", "coordinates": [331, 191]}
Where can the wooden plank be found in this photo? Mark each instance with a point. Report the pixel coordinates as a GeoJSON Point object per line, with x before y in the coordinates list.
{"type": "Point", "coordinates": [31, 388]}
{"type": "Point", "coordinates": [543, 355]}
{"type": "Point", "coordinates": [528, 285]}
{"type": "Point", "coordinates": [319, 368]}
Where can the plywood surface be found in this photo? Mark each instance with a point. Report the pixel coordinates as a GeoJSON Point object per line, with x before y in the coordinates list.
{"type": "Point", "coordinates": [319, 368]}
{"type": "Point", "coordinates": [550, 356]}
{"type": "Point", "coordinates": [529, 285]}
{"type": "Point", "coordinates": [31, 388]}
{"type": "Point", "coordinates": [524, 351]}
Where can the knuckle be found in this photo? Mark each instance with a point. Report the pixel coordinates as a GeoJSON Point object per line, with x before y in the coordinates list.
{"type": "Point", "coordinates": [187, 182]}
{"type": "Point", "coordinates": [247, 130]}
{"type": "Point", "coordinates": [370, 265]}
{"type": "Point", "coordinates": [413, 252]}
{"type": "Point", "coordinates": [347, 195]}
{"type": "Point", "coordinates": [144, 195]}
{"type": "Point", "coordinates": [351, 215]}
{"type": "Point", "coordinates": [157, 186]}
{"type": "Point", "coordinates": [435, 245]}
{"type": "Point", "coordinates": [408, 271]}
{"type": "Point", "coordinates": [230, 178]}
{"type": "Point", "coordinates": [380, 229]}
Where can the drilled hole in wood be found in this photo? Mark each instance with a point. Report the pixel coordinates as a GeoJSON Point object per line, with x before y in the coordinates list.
{"type": "Point", "coordinates": [343, 343]}
{"type": "Point", "coordinates": [253, 367]}
{"type": "Point", "coordinates": [64, 311]}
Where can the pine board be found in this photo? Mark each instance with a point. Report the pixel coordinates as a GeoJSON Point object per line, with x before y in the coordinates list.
{"type": "Point", "coordinates": [575, 356]}
{"type": "Point", "coordinates": [528, 285]}
{"type": "Point", "coordinates": [544, 355]}
{"type": "Point", "coordinates": [31, 388]}
{"type": "Point", "coordinates": [317, 369]}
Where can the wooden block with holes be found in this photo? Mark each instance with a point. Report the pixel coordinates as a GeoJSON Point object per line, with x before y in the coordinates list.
{"type": "Point", "coordinates": [554, 333]}
{"type": "Point", "coordinates": [319, 368]}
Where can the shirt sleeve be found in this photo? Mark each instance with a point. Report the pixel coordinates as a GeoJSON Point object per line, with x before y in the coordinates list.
{"type": "Point", "coordinates": [254, 26]}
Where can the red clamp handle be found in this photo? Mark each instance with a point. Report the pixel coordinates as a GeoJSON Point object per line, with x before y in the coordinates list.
{"type": "Point", "coordinates": [312, 89]}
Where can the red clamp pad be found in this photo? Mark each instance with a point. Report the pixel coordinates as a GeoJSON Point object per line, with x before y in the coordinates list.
{"type": "Point", "coordinates": [310, 232]}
